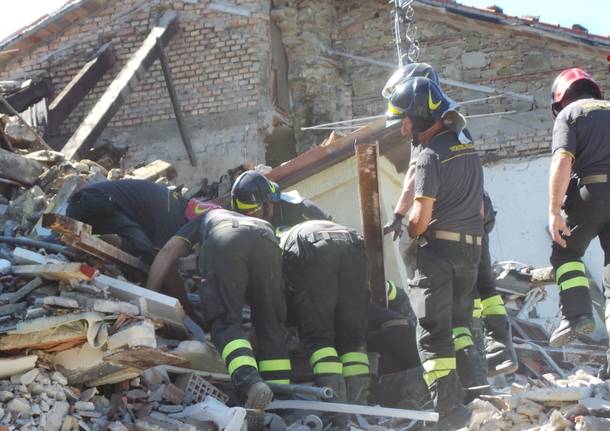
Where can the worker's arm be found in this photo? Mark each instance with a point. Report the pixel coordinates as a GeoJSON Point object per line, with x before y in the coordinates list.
{"type": "Point", "coordinates": [420, 216]}
{"type": "Point", "coordinates": [561, 170]}
{"type": "Point", "coordinates": [405, 202]}
{"type": "Point", "coordinates": [165, 262]}
{"type": "Point", "coordinates": [403, 205]}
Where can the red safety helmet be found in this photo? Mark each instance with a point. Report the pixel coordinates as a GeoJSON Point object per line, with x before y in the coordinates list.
{"type": "Point", "coordinates": [566, 80]}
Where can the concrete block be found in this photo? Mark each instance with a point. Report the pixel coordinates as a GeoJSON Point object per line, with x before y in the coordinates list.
{"type": "Point", "coordinates": [141, 333]}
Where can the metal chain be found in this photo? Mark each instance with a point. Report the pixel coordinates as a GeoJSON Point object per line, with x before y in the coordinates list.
{"type": "Point", "coordinates": [404, 15]}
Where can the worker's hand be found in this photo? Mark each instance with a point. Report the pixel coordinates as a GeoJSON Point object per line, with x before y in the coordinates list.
{"type": "Point", "coordinates": [394, 226]}
{"type": "Point", "coordinates": [559, 228]}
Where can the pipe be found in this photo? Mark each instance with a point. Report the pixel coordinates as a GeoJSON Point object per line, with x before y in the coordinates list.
{"type": "Point", "coordinates": [546, 356]}
{"type": "Point", "coordinates": [323, 393]}
{"type": "Point", "coordinates": [353, 409]}
{"type": "Point", "coordinates": [29, 242]}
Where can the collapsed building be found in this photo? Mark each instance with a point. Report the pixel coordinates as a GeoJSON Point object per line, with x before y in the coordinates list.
{"type": "Point", "coordinates": [190, 93]}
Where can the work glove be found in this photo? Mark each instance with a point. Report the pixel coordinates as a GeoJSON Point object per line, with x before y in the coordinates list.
{"type": "Point", "coordinates": [394, 226]}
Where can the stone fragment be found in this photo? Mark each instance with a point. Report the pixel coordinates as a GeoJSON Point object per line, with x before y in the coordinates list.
{"type": "Point", "coordinates": [59, 378]}
{"type": "Point", "coordinates": [169, 408]}
{"type": "Point", "coordinates": [141, 333]}
{"type": "Point", "coordinates": [136, 394]}
{"type": "Point", "coordinates": [115, 174]}
{"type": "Point", "coordinates": [88, 394]}
{"type": "Point", "coordinates": [117, 426]}
{"type": "Point", "coordinates": [5, 266]}
{"type": "Point", "coordinates": [29, 377]}
{"type": "Point", "coordinates": [60, 301]}
{"type": "Point", "coordinates": [597, 406]}
{"type": "Point", "coordinates": [530, 409]}
{"type": "Point", "coordinates": [18, 135]}
{"type": "Point", "coordinates": [36, 410]}
{"type": "Point", "coordinates": [20, 406]}
{"type": "Point", "coordinates": [46, 156]}
{"type": "Point", "coordinates": [6, 396]}
{"type": "Point", "coordinates": [55, 417]}
{"type": "Point", "coordinates": [173, 394]}
{"type": "Point", "coordinates": [116, 307]}
{"type": "Point", "coordinates": [556, 422]}
{"type": "Point", "coordinates": [84, 405]}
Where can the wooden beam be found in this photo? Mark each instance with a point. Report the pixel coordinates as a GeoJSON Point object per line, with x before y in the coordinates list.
{"type": "Point", "coordinates": [57, 271]}
{"type": "Point", "coordinates": [25, 97]}
{"type": "Point", "coordinates": [117, 92]}
{"type": "Point", "coordinates": [167, 74]}
{"type": "Point", "coordinates": [80, 85]}
{"type": "Point", "coordinates": [78, 235]}
{"type": "Point", "coordinates": [368, 185]}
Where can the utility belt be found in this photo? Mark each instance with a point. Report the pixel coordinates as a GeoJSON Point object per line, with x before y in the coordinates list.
{"type": "Point", "coordinates": [334, 235]}
{"type": "Point", "coordinates": [456, 237]}
{"type": "Point", "coordinates": [593, 179]}
{"type": "Point", "coordinates": [234, 224]}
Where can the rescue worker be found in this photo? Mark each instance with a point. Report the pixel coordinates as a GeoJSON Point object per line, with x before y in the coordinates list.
{"type": "Point", "coordinates": [239, 260]}
{"type": "Point", "coordinates": [282, 209]}
{"type": "Point", "coordinates": [144, 214]}
{"type": "Point", "coordinates": [489, 307]}
{"type": "Point", "coordinates": [325, 266]}
{"type": "Point", "coordinates": [497, 346]}
{"type": "Point", "coordinates": [580, 150]}
{"type": "Point", "coordinates": [255, 194]}
{"type": "Point", "coordinates": [446, 219]}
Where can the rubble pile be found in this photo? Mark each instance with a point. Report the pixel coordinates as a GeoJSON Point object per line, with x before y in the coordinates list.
{"type": "Point", "coordinates": [580, 401]}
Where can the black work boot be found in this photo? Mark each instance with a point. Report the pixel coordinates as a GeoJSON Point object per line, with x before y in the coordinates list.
{"type": "Point", "coordinates": [337, 383]}
{"type": "Point", "coordinates": [500, 352]}
{"type": "Point", "coordinates": [570, 329]}
{"type": "Point", "coordinates": [358, 389]}
{"type": "Point", "coordinates": [254, 394]}
{"type": "Point", "coordinates": [472, 373]}
{"type": "Point", "coordinates": [403, 389]}
{"type": "Point", "coordinates": [448, 396]}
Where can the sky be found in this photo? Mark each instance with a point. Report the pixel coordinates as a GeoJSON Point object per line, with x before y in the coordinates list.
{"type": "Point", "coordinates": [593, 14]}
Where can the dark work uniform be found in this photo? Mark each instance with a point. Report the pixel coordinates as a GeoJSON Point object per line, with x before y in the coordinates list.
{"type": "Point", "coordinates": [241, 262]}
{"type": "Point", "coordinates": [326, 268]}
{"type": "Point", "coordinates": [582, 129]}
{"type": "Point", "coordinates": [450, 173]}
{"type": "Point", "coordinates": [287, 214]}
{"type": "Point", "coordinates": [489, 302]}
{"type": "Point", "coordinates": [144, 214]}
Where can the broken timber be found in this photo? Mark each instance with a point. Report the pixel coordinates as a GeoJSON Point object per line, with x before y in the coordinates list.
{"type": "Point", "coordinates": [370, 213]}
{"type": "Point", "coordinates": [116, 93]}
{"type": "Point", "coordinates": [83, 82]}
{"type": "Point", "coordinates": [78, 235]}
{"type": "Point", "coordinates": [175, 103]}
{"type": "Point", "coordinates": [57, 271]}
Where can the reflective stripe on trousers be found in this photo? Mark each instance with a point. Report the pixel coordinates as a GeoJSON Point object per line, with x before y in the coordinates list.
{"type": "Point", "coordinates": [570, 275]}
{"type": "Point", "coordinates": [238, 353]}
{"type": "Point", "coordinates": [355, 364]}
{"type": "Point", "coordinates": [326, 361]}
{"type": "Point", "coordinates": [462, 338]}
{"type": "Point", "coordinates": [493, 306]}
{"type": "Point", "coordinates": [436, 368]}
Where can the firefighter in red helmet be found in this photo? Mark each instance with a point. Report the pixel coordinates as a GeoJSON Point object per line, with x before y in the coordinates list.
{"type": "Point", "coordinates": [579, 184]}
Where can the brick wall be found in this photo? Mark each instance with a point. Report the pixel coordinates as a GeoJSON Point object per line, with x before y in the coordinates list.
{"type": "Point", "coordinates": [219, 62]}
{"type": "Point", "coordinates": [221, 67]}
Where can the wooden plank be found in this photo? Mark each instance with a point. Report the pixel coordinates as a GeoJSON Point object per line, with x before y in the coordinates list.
{"type": "Point", "coordinates": [167, 74]}
{"type": "Point", "coordinates": [57, 271]}
{"type": "Point", "coordinates": [78, 235]}
{"type": "Point", "coordinates": [80, 85]}
{"type": "Point", "coordinates": [144, 357]}
{"type": "Point", "coordinates": [370, 212]}
{"type": "Point", "coordinates": [18, 168]}
{"type": "Point", "coordinates": [128, 78]}
{"type": "Point", "coordinates": [154, 171]}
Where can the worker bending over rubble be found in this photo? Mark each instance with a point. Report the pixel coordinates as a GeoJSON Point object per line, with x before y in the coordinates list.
{"type": "Point", "coordinates": [143, 214]}
{"type": "Point", "coordinates": [281, 209]}
{"type": "Point", "coordinates": [579, 174]}
{"type": "Point", "coordinates": [446, 219]}
{"type": "Point", "coordinates": [239, 260]}
{"type": "Point", "coordinates": [498, 348]}
{"type": "Point", "coordinates": [254, 194]}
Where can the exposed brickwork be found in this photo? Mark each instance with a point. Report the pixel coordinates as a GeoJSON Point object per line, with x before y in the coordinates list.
{"type": "Point", "coordinates": [221, 66]}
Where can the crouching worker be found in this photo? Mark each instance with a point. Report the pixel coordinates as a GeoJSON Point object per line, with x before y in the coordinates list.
{"type": "Point", "coordinates": [325, 267]}
{"type": "Point", "coordinates": [240, 261]}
